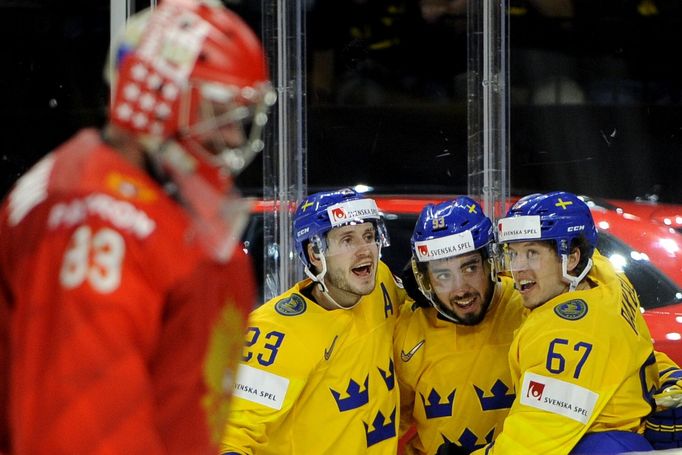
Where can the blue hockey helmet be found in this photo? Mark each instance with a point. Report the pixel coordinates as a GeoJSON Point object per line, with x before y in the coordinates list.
{"type": "Point", "coordinates": [445, 230]}
{"type": "Point", "coordinates": [558, 216]}
{"type": "Point", "coordinates": [321, 212]}
{"type": "Point", "coordinates": [450, 228]}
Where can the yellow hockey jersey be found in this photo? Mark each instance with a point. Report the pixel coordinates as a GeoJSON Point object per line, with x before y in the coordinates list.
{"type": "Point", "coordinates": [582, 362]}
{"type": "Point", "coordinates": [314, 381]}
{"type": "Point", "coordinates": [454, 379]}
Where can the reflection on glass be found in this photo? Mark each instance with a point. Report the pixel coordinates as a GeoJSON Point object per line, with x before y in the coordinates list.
{"type": "Point", "coordinates": [670, 246]}
{"type": "Point", "coordinates": [360, 188]}
{"type": "Point", "coordinates": [619, 262]}
{"type": "Point", "coordinates": [637, 256]}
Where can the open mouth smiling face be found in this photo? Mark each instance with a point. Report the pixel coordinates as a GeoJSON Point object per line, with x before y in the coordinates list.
{"type": "Point", "coordinates": [536, 269]}
{"type": "Point", "coordinates": [352, 258]}
{"type": "Point", "coordinates": [462, 285]}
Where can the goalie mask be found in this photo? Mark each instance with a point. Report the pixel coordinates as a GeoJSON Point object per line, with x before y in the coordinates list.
{"type": "Point", "coordinates": [458, 283]}
{"type": "Point", "coordinates": [187, 70]}
{"type": "Point", "coordinates": [189, 80]}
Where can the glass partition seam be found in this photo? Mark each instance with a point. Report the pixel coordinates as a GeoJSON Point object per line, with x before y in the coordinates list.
{"type": "Point", "coordinates": [284, 162]}
{"type": "Point", "coordinates": [488, 106]}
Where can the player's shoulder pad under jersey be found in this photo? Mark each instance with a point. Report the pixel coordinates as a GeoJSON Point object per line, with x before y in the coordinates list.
{"type": "Point", "coordinates": [292, 305]}
{"type": "Point", "coordinates": [571, 310]}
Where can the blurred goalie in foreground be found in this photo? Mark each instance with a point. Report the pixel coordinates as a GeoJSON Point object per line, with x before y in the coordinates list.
{"type": "Point", "coordinates": [122, 295]}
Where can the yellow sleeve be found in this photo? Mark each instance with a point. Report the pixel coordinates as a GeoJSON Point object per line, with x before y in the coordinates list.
{"type": "Point", "coordinates": [553, 409]}
{"type": "Point", "coordinates": [270, 378]}
{"type": "Point", "coordinates": [668, 371]}
{"type": "Point", "coordinates": [574, 376]}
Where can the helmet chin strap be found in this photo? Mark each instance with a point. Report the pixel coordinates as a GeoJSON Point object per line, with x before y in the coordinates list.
{"type": "Point", "coordinates": [443, 313]}
{"type": "Point", "coordinates": [319, 279]}
{"type": "Point", "coordinates": [494, 278]}
{"type": "Point", "coordinates": [573, 281]}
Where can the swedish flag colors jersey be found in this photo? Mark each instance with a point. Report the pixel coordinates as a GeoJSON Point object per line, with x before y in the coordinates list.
{"type": "Point", "coordinates": [454, 381]}
{"type": "Point", "coordinates": [314, 381]}
{"type": "Point", "coordinates": [668, 371]}
{"type": "Point", "coordinates": [582, 363]}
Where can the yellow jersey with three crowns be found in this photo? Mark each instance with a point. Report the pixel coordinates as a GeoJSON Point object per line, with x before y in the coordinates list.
{"type": "Point", "coordinates": [454, 379]}
{"type": "Point", "coordinates": [582, 362]}
{"type": "Point", "coordinates": [314, 381]}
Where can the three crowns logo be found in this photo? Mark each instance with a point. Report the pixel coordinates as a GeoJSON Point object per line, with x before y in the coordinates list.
{"type": "Point", "coordinates": [388, 377]}
{"type": "Point", "coordinates": [435, 408]}
{"type": "Point", "coordinates": [381, 431]}
{"type": "Point", "coordinates": [500, 399]}
{"type": "Point", "coordinates": [356, 397]}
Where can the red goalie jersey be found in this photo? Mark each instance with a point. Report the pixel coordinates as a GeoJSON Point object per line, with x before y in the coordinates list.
{"type": "Point", "coordinates": [118, 333]}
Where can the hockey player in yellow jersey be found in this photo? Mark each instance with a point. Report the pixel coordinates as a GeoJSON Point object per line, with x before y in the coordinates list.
{"type": "Point", "coordinates": [317, 375]}
{"type": "Point", "coordinates": [582, 362]}
{"type": "Point", "coordinates": [451, 350]}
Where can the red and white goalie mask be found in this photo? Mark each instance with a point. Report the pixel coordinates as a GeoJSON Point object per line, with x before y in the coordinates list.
{"type": "Point", "coordinates": [189, 79]}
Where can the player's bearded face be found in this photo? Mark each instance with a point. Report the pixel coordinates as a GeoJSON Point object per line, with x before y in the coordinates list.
{"type": "Point", "coordinates": [352, 257]}
{"type": "Point", "coordinates": [463, 286]}
{"type": "Point", "coordinates": [536, 269]}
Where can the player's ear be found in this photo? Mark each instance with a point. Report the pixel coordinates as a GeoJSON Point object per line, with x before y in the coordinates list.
{"type": "Point", "coordinates": [573, 259]}
{"type": "Point", "coordinates": [314, 254]}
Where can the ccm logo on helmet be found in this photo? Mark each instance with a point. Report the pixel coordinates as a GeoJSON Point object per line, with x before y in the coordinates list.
{"type": "Point", "coordinates": [576, 228]}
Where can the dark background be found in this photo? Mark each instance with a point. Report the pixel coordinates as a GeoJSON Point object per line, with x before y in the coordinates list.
{"type": "Point", "coordinates": [596, 95]}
